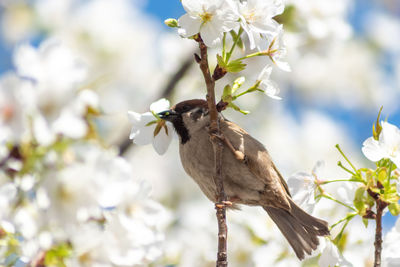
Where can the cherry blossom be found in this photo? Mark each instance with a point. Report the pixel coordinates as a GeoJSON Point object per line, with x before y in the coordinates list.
{"type": "Point", "coordinates": [148, 128]}
{"type": "Point", "coordinates": [256, 18]}
{"type": "Point", "coordinates": [388, 145]}
{"type": "Point", "coordinates": [209, 18]}
{"type": "Point", "coordinates": [276, 48]}
{"type": "Point", "coordinates": [302, 186]}
{"type": "Point", "coordinates": [267, 85]}
{"type": "Point", "coordinates": [331, 257]}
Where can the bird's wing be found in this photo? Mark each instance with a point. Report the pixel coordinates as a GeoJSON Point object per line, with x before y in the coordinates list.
{"type": "Point", "coordinates": [259, 163]}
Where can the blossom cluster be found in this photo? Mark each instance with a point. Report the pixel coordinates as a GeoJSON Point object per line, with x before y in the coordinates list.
{"type": "Point", "coordinates": [383, 149]}
{"type": "Point", "coordinates": [212, 20]}
{"type": "Point", "coordinates": [65, 199]}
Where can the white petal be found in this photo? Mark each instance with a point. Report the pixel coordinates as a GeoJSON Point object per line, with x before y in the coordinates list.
{"type": "Point", "coordinates": [70, 125]}
{"type": "Point", "coordinates": [302, 187]}
{"type": "Point", "coordinates": [189, 26]}
{"type": "Point", "coordinates": [265, 73]}
{"type": "Point", "coordinates": [134, 117]}
{"type": "Point", "coordinates": [390, 138]}
{"type": "Point", "coordinates": [144, 135]}
{"type": "Point", "coordinates": [270, 89]}
{"type": "Point", "coordinates": [319, 166]}
{"type": "Point", "coordinates": [140, 120]}
{"type": "Point", "coordinates": [160, 105]}
{"type": "Point", "coordinates": [372, 150]}
{"type": "Point", "coordinates": [42, 131]}
{"type": "Point", "coordinates": [211, 34]}
{"type": "Point", "coordinates": [162, 141]}
{"type": "Point", "coordinates": [249, 34]}
{"type": "Point", "coordinates": [329, 256]}
{"type": "Point", "coordinates": [27, 62]}
{"type": "Point", "coordinates": [283, 65]}
{"type": "Point", "coordinates": [134, 132]}
{"type": "Point", "coordinates": [192, 5]}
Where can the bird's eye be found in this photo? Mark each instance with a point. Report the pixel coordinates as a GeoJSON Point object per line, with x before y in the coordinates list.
{"type": "Point", "coordinates": [186, 108]}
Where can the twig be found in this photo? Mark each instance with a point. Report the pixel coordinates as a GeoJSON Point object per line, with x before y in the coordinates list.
{"type": "Point", "coordinates": [220, 206]}
{"type": "Point", "coordinates": [380, 206]}
{"type": "Point", "coordinates": [378, 232]}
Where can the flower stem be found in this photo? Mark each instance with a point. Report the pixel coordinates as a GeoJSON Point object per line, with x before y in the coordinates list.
{"type": "Point", "coordinates": [235, 42]}
{"type": "Point", "coordinates": [344, 156]}
{"type": "Point", "coordinates": [340, 180]}
{"type": "Point", "coordinates": [338, 201]}
{"type": "Point", "coordinates": [348, 217]}
{"type": "Point", "coordinates": [224, 46]}
{"type": "Point", "coordinates": [256, 54]}
{"type": "Point", "coordinates": [344, 168]}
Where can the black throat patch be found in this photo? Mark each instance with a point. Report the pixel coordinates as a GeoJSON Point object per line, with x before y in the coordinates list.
{"type": "Point", "coordinates": [181, 130]}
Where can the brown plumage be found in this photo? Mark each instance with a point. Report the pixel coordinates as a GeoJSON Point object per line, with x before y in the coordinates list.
{"type": "Point", "coordinates": [255, 181]}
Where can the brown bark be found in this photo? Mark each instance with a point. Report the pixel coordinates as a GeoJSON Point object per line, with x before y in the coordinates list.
{"type": "Point", "coordinates": [380, 206]}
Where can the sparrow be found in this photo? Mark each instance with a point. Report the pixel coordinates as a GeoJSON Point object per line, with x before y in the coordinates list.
{"type": "Point", "coordinates": [253, 181]}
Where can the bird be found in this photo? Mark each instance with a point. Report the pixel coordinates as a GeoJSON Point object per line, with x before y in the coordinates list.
{"type": "Point", "coordinates": [253, 181]}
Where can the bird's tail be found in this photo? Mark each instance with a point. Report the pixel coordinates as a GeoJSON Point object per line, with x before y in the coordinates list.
{"type": "Point", "coordinates": [299, 228]}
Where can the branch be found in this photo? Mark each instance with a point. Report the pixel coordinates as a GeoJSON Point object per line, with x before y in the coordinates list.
{"type": "Point", "coordinates": [220, 206]}
{"type": "Point", "coordinates": [380, 206]}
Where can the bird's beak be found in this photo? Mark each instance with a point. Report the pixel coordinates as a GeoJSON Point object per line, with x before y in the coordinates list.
{"type": "Point", "coordinates": [168, 115]}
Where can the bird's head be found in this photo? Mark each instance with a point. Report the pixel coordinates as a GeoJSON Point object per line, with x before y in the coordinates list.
{"type": "Point", "coordinates": [187, 117]}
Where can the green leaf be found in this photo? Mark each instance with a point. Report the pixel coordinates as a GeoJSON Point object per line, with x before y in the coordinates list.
{"type": "Point", "coordinates": [235, 107]}
{"type": "Point", "coordinates": [365, 222]}
{"type": "Point", "coordinates": [235, 66]}
{"type": "Point", "coordinates": [359, 202]}
{"type": "Point", "coordinates": [390, 197]}
{"type": "Point", "coordinates": [394, 209]}
{"type": "Point", "coordinates": [221, 62]}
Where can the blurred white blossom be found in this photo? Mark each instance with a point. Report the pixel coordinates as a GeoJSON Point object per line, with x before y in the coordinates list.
{"type": "Point", "coordinates": [391, 244]}
{"type": "Point", "coordinates": [54, 69]}
{"type": "Point", "coordinates": [388, 145]}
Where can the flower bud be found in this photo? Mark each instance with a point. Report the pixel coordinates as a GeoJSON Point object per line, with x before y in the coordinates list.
{"type": "Point", "coordinates": [172, 23]}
